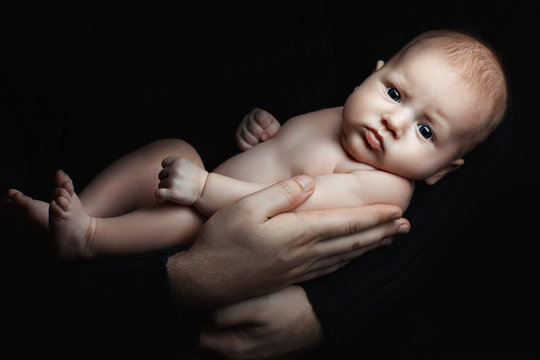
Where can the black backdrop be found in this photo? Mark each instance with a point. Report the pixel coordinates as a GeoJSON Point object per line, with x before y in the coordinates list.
{"type": "Point", "coordinates": [83, 84]}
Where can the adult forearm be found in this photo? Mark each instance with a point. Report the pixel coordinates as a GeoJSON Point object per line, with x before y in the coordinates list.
{"type": "Point", "coordinates": [188, 284]}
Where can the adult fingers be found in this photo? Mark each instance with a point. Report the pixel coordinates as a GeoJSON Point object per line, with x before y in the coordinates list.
{"type": "Point", "coordinates": [243, 313]}
{"type": "Point", "coordinates": [332, 263]}
{"type": "Point", "coordinates": [280, 197]}
{"type": "Point", "coordinates": [333, 223]}
{"type": "Point", "coordinates": [229, 343]}
{"type": "Point", "coordinates": [365, 238]}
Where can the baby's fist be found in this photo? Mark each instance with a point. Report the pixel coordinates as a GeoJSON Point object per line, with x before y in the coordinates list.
{"type": "Point", "coordinates": [257, 126]}
{"type": "Point", "coordinates": [181, 181]}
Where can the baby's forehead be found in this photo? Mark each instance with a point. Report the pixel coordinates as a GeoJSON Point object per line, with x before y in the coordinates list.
{"type": "Point", "coordinates": [440, 89]}
{"type": "Point", "coordinates": [422, 51]}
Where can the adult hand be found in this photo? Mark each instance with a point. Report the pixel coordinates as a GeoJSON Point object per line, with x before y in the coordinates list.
{"type": "Point", "coordinates": [267, 327]}
{"type": "Point", "coordinates": [257, 245]}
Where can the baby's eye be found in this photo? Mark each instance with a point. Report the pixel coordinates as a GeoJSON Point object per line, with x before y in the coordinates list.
{"type": "Point", "coordinates": [425, 131]}
{"type": "Point", "coordinates": [394, 94]}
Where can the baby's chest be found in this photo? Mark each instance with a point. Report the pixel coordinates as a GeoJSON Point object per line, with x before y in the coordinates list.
{"type": "Point", "coordinates": [313, 158]}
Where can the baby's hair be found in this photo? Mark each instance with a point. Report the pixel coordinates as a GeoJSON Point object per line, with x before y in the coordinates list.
{"type": "Point", "coordinates": [480, 67]}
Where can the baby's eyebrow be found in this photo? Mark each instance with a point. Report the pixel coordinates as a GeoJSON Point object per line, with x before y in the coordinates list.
{"type": "Point", "coordinates": [400, 83]}
{"type": "Point", "coordinates": [437, 120]}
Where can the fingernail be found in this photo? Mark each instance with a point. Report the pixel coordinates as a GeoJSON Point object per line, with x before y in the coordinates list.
{"type": "Point", "coordinates": [403, 229]}
{"type": "Point", "coordinates": [305, 181]}
{"type": "Point", "coordinates": [386, 241]}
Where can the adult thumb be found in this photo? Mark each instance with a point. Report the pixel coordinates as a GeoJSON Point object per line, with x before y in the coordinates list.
{"type": "Point", "coordinates": [283, 196]}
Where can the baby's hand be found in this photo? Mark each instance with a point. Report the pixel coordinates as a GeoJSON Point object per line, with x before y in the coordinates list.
{"type": "Point", "coordinates": [181, 181]}
{"type": "Point", "coordinates": [257, 126]}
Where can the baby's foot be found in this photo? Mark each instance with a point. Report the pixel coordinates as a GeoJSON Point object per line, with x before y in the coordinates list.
{"type": "Point", "coordinates": [71, 227]}
{"type": "Point", "coordinates": [35, 212]}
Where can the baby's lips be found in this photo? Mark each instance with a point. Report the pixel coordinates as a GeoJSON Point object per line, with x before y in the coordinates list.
{"type": "Point", "coordinates": [374, 139]}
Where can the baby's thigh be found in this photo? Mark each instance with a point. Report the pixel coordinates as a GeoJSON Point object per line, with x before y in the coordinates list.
{"type": "Point", "coordinates": [164, 148]}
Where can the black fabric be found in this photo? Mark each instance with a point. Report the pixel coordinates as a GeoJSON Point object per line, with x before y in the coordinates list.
{"type": "Point", "coordinates": [84, 83]}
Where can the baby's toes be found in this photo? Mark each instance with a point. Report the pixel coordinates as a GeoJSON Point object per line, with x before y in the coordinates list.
{"type": "Point", "coordinates": [14, 196]}
{"type": "Point", "coordinates": [61, 202]}
{"type": "Point", "coordinates": [17, 201]}
{"type": "Point", "coordinates": [68, 186]}
{"type": "Point", "coordinates": [63, 180]}
{"type": "Point", "coordinates": [61, 192]}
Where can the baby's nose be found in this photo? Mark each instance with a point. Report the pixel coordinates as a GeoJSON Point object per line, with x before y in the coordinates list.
{"type": "Point", "coordinates": [394, 124]}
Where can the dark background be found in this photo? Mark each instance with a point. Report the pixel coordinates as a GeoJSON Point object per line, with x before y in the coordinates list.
{"type": "Point", "coordinates": [84, 84]}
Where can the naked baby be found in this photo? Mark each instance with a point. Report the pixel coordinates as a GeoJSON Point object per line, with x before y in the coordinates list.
{"type": "Point", "coordinates": [414, 118]}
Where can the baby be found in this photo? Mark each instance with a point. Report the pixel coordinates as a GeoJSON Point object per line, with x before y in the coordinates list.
{"type": "Point", "coordinates": [413, 118]}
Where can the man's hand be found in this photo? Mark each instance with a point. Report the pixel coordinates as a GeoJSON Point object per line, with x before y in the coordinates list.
{"type": "Point", "coordinates": [257, 246]}
{"type": "Point", "coordinates": [257, 126]}
{"type": "Point", "coordinates": [181, 181]}
{"type": "Point", "coordinates": [267, 327]}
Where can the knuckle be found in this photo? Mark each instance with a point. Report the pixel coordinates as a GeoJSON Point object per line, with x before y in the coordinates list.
{"type": "Point", "coordinates": [286, 191]}
{"type": "Point", "coordinates": [264, 119]}
{"type": "Point", "coordinates": [356, 244]}
{"type": "Point", "coordinates": [351, 228]}
{"type": "Point", "coordinates": [254, 128]}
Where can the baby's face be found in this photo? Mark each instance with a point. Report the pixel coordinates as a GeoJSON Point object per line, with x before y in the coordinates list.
{"type": "Point", "coordinates": [409, 117]}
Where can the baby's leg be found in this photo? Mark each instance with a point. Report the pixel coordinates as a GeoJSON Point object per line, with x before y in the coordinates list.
{"type": "Point", "coordinates": [127, 184]}
{"type": "Point", "coordinates": [77, 234]}
{"type": "Point", "coordinates": [130, 182]}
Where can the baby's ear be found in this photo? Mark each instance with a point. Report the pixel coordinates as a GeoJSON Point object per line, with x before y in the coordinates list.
{"type": "Point", "coordinates": [380, 64]}
{"type": "Point", "coordinates": [451, 166]}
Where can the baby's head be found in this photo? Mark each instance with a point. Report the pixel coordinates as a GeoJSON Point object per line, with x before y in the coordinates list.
{"type": "Point", "coordinates": [434, 101]}
{"type": "Point", "coordinates": [478, 66]}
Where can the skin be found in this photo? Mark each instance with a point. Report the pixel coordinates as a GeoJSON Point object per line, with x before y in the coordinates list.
{"type": "Point", "coordinates": [250, 329]}
{"type": "Point", "coordinates": [419, 109]}
{"type": "Point", "coordinates": [369, 139]}
{"type": "Point", "coordinates": [408, 120]}
{"type": "Point", "coordinates": [278, 247]}
{"type": "Point", "coordinates": [241, 330]}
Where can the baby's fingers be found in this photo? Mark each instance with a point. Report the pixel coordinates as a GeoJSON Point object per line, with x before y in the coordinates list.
{"type": "Point", "coordinates": [271, 130]}
{"type": "Point", "coordinates": [244, 139]}
{"type": "Point", "coordinates": [163, 194]}
{"type": "Point", "coordinates": [168, 161]}
{"type": "Point", "coordinates": [265, 124]}
{"type": "Point", "coordinates": [163, 174]}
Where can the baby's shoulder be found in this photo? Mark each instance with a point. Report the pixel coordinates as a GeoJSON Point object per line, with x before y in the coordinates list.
{"type": "Point", "coordinates": [316, 119]}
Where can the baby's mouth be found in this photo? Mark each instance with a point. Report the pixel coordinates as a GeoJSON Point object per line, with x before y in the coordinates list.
{"type": "Point", "coordinates": [374, 139]}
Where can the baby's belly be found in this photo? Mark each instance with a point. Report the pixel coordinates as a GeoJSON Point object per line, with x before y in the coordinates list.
{"type": "Point", "coordinates": [255, 166]}
{"type": "Point", "coordinates": [270, 167]}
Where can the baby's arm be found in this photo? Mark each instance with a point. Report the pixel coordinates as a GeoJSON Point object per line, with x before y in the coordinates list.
{"type": "Point", "coordinates": [257, 126]}
{"type": "Point", "coordinates": [183, 182]}
{"type": "Point", "coordinates": [359, 188]}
